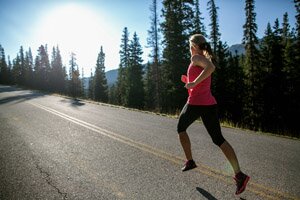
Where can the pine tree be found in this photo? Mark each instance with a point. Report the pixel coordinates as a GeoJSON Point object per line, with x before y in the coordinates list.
{"type": "Point", "coordinates": [83, 87]}
{"type": "Point", "coordinates": [19, 68]}
{"type": "Point", "coordinates": [221, 80]}
{"type": "Point", "coordinates": [297, 6]}
{"type": "Point", "coordinates": [100, 82]}
{"type": "Point", "coordinates": [254, 104]}
{"type": "Point", "coordinates": [134, 96]}
{"type": "Point", "coordinates": [292, 73]}
{"type": "Point", "coordinates": [220, 76]}
{"type": "Point", "coordinates": [176, 52]}
{"type": "Point", "coordinates": [188, 15]}
{"type": "Point", "coordinates": [153, 71]}
{"type": "Point", "coordinates": [9, 71]}
{"type": "Point", "coordinates": [214, 33]}
{"type": "Point", "coordinates": [16, 70]}
{"type": "Point", "coordinates": [58, 74]}
{"type": "Point", "coordinates": [235, 89]}
{"type": "Point", "coordinates": [150, 86]}
{"type": "Point", "coordinates": [291, 95]}
{"type": "Point", "coordinates": [75, 86]}
{"type": "Point", "coordinates": [112, 95]}
{"type": "Point", "coordinates": [22, 66]}
{"type": "Point", "coordinates": [124, 63]}
{"type": "Point", "coordinates": [277, 29]}
{"type": "Point", "coordinates": [91, 86]}
{"type": "Point", "coordinates": [28, 65]}
{"type": "Point", "coordinates": [199, 26]}
{"type": "Point", "coordinates": [276, 78]}
{"type": "Point", "coordinates": [272, 78]}
{"type": "Point", "coordinates": [297, 49]}
{"type": "Point", "coordinates": [42, 69]}
{"type": "Point", "coordinates": [72, 75]}
{"type": "Point", "coordinates": [4, 73]}
{"type": "Point", "coordinates": [286, 34]}
{"type": "Point", "coordinates": [36, 73]}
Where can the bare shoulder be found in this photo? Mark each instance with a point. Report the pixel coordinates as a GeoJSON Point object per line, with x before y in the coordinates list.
{"type": "Point", "coordinates": [200, 60]}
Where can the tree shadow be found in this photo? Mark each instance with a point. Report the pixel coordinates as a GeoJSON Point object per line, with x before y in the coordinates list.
{"type": "Point", "coordinates": [6, 88]}
{"type": "Point", "coordinates": [206, 194]}
{"type": "Point", "coordinates": [73, 101]}
{"type": "Point", "coordinates": [77, 102]}
{"type": "Point", "coordinates": [20, 98]}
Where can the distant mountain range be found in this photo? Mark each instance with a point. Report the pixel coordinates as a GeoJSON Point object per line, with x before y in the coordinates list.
{"type": "Point", "coordinates": [240, 48]}
{"type": "Point", "coordinates": [112, 75]}
{"type": "Point", "coordinates": [237, 48]}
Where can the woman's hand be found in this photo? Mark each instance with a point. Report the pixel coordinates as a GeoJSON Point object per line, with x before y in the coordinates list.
{"type": "Point", "coordinates": [184, 78]}
{"type": "Point", "coordinates": [190, 85]}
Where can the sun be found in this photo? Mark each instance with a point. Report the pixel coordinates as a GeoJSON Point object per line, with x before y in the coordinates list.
{"type": "Point", "coordinates": [69, 25]}
{"type": "Point", "coordinates": [74, 28]}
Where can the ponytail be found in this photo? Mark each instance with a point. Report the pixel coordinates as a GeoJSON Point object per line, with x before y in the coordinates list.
{"type": "Point", "coordinates": [200, 41]}
{"type": "Point", "coordinates": [207, 48]}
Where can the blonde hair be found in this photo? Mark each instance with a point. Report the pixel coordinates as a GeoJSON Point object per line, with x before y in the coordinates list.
{"type": "Point", "coordinates": [199, 41]}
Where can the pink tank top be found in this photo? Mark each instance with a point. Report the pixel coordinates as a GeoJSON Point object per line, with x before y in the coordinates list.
{"type": "Point", "coordinates": [201, 94]}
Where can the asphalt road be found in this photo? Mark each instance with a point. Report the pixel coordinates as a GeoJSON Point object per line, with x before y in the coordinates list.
{"type": "Point", "coordinates": [53, 147]}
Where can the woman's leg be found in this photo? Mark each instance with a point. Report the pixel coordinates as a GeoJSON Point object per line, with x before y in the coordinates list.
{"type": "Point", "coordinates": [211, 122]}
{"type": "Point", "coordinates": [186, 145]}
{"type": "Point", "coordinates": [231, 156]}
{"type": "Point", "coordinates": [187, 116]}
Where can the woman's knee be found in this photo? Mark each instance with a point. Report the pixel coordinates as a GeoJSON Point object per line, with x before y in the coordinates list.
{"type": "Point", "coordinates": [181, 129]}
{"type": "Point", "coordinates": [183, 123]}
{"type": "Point", "coordinates": [218, 140]}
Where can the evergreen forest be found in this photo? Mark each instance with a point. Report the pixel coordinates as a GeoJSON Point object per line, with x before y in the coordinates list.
{"type": "Point", "coordinates": [258, 90]}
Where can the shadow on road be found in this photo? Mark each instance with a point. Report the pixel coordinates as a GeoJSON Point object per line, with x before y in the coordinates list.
{"type": "Point", "coordinates": [206, 194]}
{"type": "Point", "coordinates": [20, 98]}
{"type": "Point", "coordinates": [77, 102]}
{"type": "Point", "coordinates": [74, 102]}
{"type": "Point", "coordinates": [6, 88]}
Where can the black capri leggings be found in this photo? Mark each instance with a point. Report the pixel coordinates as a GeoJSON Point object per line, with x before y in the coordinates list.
{"type": "Point", "coordinates": [209, 117]}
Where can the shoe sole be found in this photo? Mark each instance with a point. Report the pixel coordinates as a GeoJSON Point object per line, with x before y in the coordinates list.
{"type": "Point", "coordinates": [244, 186]}
{"type": "Point", "coordinates": [184, 170]}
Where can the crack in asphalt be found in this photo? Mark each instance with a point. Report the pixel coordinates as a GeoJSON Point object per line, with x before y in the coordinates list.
{"type": "Point", "coordinates": [49, 182]}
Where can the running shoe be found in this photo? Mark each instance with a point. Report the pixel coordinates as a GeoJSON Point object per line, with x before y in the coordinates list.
{"type": "Point", "coordinates": [241, 180]}
{"type": "Point", "coordinates": [190, 164]}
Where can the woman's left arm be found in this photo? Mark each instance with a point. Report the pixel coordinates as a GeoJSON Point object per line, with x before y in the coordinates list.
{"type": "Point", "coordinates": [208, 66]}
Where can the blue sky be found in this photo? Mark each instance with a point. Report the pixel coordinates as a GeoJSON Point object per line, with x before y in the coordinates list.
{"type": "Point", "coordinates": [82, 26]}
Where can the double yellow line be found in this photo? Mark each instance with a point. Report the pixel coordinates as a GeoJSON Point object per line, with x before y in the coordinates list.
{"type": "Point", "coordinates": [263, 191]}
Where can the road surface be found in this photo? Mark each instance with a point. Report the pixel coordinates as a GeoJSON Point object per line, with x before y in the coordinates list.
{"type": "Point", "coordinates": [53, 147]}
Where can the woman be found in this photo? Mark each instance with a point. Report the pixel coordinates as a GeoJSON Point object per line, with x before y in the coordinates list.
{"type": "Point", "coordinates": [202, 104]}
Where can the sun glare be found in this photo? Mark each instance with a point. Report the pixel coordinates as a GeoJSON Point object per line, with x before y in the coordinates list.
{"type": "Point", "coordinates": [71, 25]}
{"type": "Point", "coordinates": [74, 28]}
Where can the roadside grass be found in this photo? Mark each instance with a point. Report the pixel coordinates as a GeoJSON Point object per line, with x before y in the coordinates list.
{"type": "Point", "coordinates": [224, 123]}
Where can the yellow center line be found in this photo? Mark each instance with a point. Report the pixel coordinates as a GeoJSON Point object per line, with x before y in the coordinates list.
{"type": "Point", "coordinates": [258, 189]}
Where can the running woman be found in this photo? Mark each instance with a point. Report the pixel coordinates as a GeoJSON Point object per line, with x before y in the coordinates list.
{"type": "Point", "coordinates": [202, 104]}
